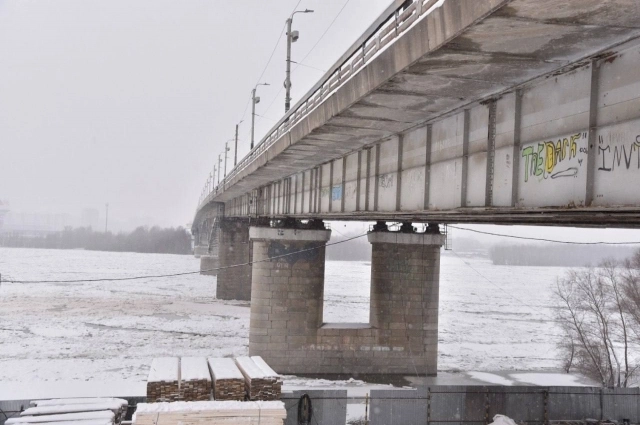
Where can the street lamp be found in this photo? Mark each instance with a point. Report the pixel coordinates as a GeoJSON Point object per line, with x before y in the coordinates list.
{"type": "Point", "coordinates": [292, 37]}
{"type": "Point", "coordinates": [254, 100]}
{"type": "Point", "coordinates": [219, 167]}
{"type": "Point", "coordinates": [235, 151]}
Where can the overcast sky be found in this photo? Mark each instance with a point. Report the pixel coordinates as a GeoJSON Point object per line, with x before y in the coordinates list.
{"type": "Point", "coordinates": [130, 102]}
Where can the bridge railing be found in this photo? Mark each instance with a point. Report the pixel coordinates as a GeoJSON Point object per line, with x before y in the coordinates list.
{"type": "Point", "coordinates": [394, 22]}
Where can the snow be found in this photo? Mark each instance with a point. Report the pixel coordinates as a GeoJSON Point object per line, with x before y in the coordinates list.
{"type": "Point", "coordinates": [548, 379]}
{"type": "Point", "coordinates": [266, 369]}
{"type": "Point", "coordinates": [194, 368]}
{"type": "Point", "coordinates": [59, 401]}
{"type": "Point", "coordinates": [104, 414]}
{"type": "Point", "coordinates": [490, 378]}
{"type": "Point", "coordinates": [346, 326]}
{"type": "Point", "coordinates": [72, 408]}
{"type": "Point", "coordinates": [224, 368]}
{"type": "Point", "coordinates": [83, 422]}
{"type": "Point", "coordinates": [164, 369]}
{"type": "Point", "coordinates": [502, 420]}
{"type": "Point", "coordinates": [98, 339]}
{"type": "Point", "coordinates": [250, 368]}
{"type": "Point", "coordinates": [199, 406]}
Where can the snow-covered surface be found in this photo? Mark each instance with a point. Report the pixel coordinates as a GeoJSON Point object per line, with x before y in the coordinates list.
{"type": "Point", "coordinates": [199, 406]}
{"type": "Point", "coordinates": [87, 400]}
{"type": "Point", "coordinates": [224, 368]}
{"type": "Point", "coordinates": [250, 369]}
{"type": "Point", "coordinates": [84, 422]}
{"type": "Point", "coordinates": [194, 368]}
{"type": "Point", "coordinates": [346, 326]}
{"type": "Point", "coordinates": [502, 420]}
{"type": "Point", "coordinates": [99, 338]}
{"type": "Point", "coordinates": [264, 367]}
{"type": "Point", "coordinates": [164, 369]}
{"type": "Point", "coordinates": [104, 414]}
{"type": "Point", "coordinates": [72, 408]}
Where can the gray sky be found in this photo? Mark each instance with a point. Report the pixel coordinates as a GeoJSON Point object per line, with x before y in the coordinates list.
{"type": "Point", "coordinates": [130, 102]}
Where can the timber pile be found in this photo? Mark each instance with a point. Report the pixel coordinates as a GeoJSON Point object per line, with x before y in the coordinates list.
{"type": "Point", "coordinates": [261, 382]}
{"type": "Point", "coordinates": [62, 407]}
{"type": "Point", "coordinates": [211, 413]}
{"type": "Point", "coordinates": [228, 381]}
{"type": "Point", "coordinates": [163, 383]}
{"type": "Point", "coordinates": [104, 417]}
{"type": "Point", "coordinates": [89, 402]}
{"type": "Point", "coordinates": [195, 382]}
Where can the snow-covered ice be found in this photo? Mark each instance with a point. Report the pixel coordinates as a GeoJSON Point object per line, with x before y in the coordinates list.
{"type": "Point", "coordinates": [98, 338]}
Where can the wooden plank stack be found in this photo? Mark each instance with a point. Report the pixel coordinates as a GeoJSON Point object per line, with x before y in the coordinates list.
{"type": "Point", "coordinates": [228, 381]}
{"type": "Point", "coordinates": [195, 379]}
{"type": "Point", "coordinates": [211, 413]}
{"type": "Point", "coordinates": [261, 382]}
{"type": "Point", "coordinates": [75, 411]}
{"type": "Point", "coordinates": [163, 383]}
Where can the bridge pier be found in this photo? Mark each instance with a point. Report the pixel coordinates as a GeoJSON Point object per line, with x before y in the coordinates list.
{"type": "Point", "coordinates": [287, 293]}
{"type": "Point", "coordinates": [209, 265]}
{"type": "Point", "coordinates": [405, 282]}
{"type": "Point", "coordinates": [234, 247]}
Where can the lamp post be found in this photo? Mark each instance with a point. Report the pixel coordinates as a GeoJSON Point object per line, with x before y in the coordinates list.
{"type": "Point", "coordinates": [292, 37]}
{"type": "Point", "coordinates": [226, 149]}
{"type": "Point", "coordinates": [254, 100]}
{"type": "Point", "coordinates": [219, 167]}
{"type": "Point", "coordinates": [235, 151]}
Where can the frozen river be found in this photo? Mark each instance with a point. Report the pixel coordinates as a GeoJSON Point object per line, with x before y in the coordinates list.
{"type": "Point", "coordinates": [104, 334]}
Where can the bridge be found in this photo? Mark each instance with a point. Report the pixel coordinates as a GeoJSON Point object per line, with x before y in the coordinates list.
{"type": "Point", "coordinates": [493, 111]}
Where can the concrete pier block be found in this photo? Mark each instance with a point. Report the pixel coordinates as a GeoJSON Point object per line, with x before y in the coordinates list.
{"type": "Point", "coordinates": [234, 283]}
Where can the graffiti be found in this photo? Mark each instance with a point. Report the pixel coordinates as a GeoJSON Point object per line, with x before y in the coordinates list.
{"type": "Point", "coordinates": [336, 193]}
{"type": "Point", "coordinates": [621, 155]}
{"type": "Point", "coordinates": [386, 180]}
{"type": "Point", "coordinates": [324, 192]}
{"type": "Point", "coordinates": [552, 160]}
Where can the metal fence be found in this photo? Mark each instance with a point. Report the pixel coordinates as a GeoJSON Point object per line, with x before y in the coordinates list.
{"type": "Point", "coordinates": [447, 405]}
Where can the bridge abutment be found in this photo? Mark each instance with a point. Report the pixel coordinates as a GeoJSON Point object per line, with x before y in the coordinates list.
{"type": "Point", "coordinates": [234, 249]}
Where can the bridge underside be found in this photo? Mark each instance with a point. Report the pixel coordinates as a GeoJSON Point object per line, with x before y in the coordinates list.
{"type": "Point", "coordinates": [517, 112]}
{"type": "Point", "coordinates": [492, 111]}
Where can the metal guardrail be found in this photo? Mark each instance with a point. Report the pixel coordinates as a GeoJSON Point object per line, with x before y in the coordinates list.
{"type": "Point", "coordinates": [394, 22]}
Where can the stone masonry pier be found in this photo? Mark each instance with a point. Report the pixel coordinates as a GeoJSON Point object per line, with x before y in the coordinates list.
{"type": "Point", "coordinates": [287, 329]}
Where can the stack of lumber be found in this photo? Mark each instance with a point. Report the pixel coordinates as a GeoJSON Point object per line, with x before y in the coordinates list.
{"type": "Point", "coordinates": [195, 379]}
{"type": "Point", "coordinates": [261, 382]}
{"type": "Point", "coordinates": [88, 403]}
{"type": "Point", "coordinates": [104, 417]}
{"type": "Point", "coordinates": [211, 413]}
{"type": "Point", "coordinates": [163, 383]}
{"type": "Point", "coordinates": [228, 381]}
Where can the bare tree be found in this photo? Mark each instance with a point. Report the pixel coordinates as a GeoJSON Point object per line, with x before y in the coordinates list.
{"type": "Point", "coordinates": [594, 316]}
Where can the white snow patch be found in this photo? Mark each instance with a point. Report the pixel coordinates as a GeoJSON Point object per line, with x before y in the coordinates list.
{"type": "Point", "coordinates": [194, 368]}
{"type": "Point", "coordinates": [87, 400]}
{"type": "Point", "coordinates": [491, 378]}
{"type": "Point", "coordinates": [104, 414]}
{"type": "Point", "coordinates": [164, 369]}
{"type": "Point", "coordinates": [199, 406]}
{"type": "Point", "coordinates": [224, 368]}
{"type": "Point", "coordinates": [548, 379]}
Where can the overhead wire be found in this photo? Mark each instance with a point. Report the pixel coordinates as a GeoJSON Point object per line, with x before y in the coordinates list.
{"type": "Point", "coordinates": [540, 239]}
{"type": "Point", "coordinates": [117, 279]}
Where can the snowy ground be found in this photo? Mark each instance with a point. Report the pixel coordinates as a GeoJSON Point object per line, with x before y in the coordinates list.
{"type": "Point", "coordinates": [100, 337]}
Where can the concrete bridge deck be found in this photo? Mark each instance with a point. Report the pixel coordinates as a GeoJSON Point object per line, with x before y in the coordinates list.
{"type": "Point", "coordinates": [453, 122]}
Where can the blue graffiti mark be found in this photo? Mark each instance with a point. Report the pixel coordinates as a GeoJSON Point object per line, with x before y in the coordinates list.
{"type": "Point", "coordinates": [336, 193]}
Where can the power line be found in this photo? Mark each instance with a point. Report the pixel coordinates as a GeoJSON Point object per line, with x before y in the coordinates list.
{"type": "Point", "coordinates": [185, 273]}
{"type": "Point", "coordinates": [542, 239]}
